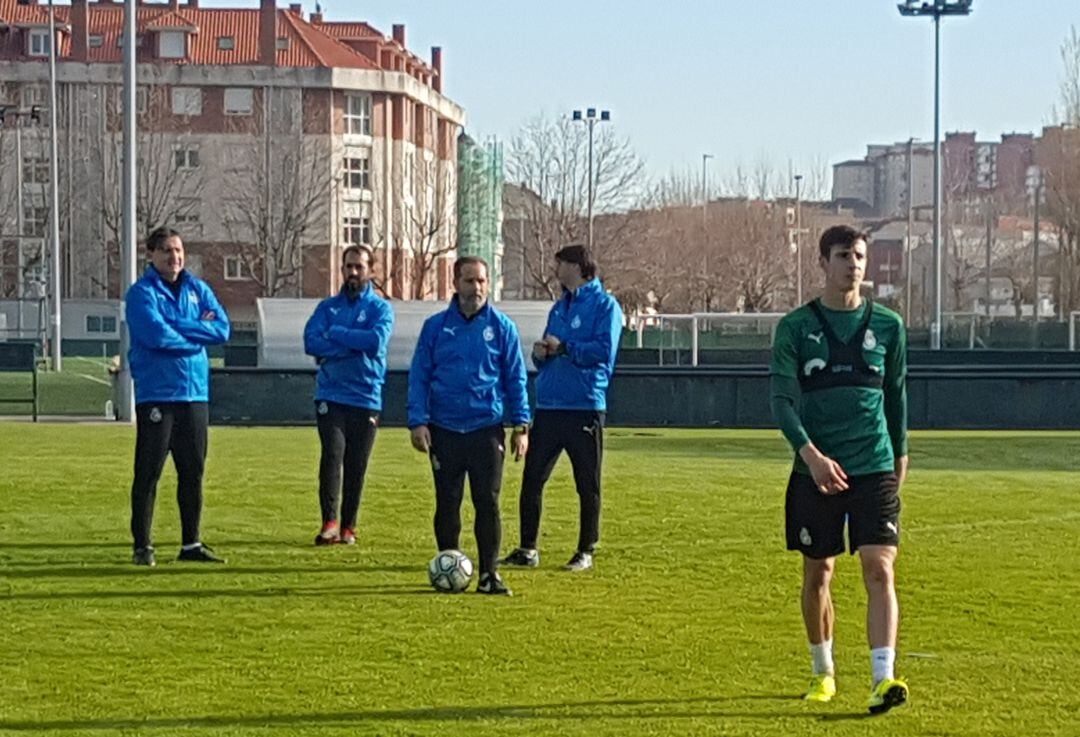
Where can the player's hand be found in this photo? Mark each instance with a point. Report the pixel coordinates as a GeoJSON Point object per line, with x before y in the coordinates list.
{"type": "Point", "coordinates": [519, 441]}
{"type": "Point", "coordinates": [553, 344]}
{"type": "Point", "coordinates": [901, 470]}
{"type": "Point", "coordinates": [829, 476]}
{"type": "Point", "coordinates": [421, 438]}
{"type": "Point", "coordinates": [209, 315]}
{"type": "Point", "coordinates": [540, 349]}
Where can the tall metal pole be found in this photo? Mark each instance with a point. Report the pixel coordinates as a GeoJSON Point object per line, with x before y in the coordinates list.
{"type": "Point", "coordinates": [935, 325]}
{"type": "Point", "coordinates": [705, 227]}
{"type": "Point", "coordinates": [591, 122]}
{"type": "Point", "coordinates": [1035, 264]}
{"type": "Point", "coordinates": [989, 250]}
{"type": "Point", "coordinates": [798, 240]}
{"type": "Point", "coordinates": [54, 201]}
{"type": "Point", "coordinates": [126, 393]}
{"type": "Point", "coordinates": [910, 227]}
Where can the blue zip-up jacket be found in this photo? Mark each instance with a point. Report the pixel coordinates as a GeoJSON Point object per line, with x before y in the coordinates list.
{"type": "Point", "coordinates": [348, 338]}
{"type": "Point", "coordinates": [589, 324]}
{"type": "Point", "coordinates": [169, 337]}
{"type": "Point", "coordinates": [466, 371]}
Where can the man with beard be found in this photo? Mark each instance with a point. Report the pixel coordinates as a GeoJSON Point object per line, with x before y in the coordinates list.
{"type": "Point", "coordinates": [347, 335]}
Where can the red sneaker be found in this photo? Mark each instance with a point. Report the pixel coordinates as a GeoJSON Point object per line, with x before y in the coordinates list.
{"type": "Point", "coordinates": [348, 536]}
{"type": "Point", "coordinates": [329, 534]}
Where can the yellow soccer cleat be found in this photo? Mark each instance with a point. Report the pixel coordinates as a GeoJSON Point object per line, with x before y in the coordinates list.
{"type": "Point", "coordinates": [822, 688]}
{"type": "Point", "coordinates": [887, 694]}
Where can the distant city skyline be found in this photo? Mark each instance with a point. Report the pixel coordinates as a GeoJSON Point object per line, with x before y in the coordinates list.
{"type": "Point", "coordinates": [810, 83]}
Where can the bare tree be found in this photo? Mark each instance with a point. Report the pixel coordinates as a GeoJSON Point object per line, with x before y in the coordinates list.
{"type": "Point", "coordinates": [278, 206]}
{"type": "Point", "coordinates": [1058, 155]}
{"type": "Point", "coordinates": [550, 158]}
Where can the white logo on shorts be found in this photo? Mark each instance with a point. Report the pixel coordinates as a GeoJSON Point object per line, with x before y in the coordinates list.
{"type": "Point", "coordinates": [489, 333]}
{"type": "Point", "coordinates": [155, 415]}
{"type": "Point", "coordinates": [323, 408]}
{"type": "Point", "coordinates": [576, 322]}
{"type": "Point", "coordinates": [804, 537]}
{"type": "Point", "coordinates": [435, 462]}
{"type": "Point", "coordinates": [893, 528]}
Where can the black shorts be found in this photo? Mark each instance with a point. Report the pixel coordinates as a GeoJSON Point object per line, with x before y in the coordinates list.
{"type": "Point", "coordinates": [815, 521]}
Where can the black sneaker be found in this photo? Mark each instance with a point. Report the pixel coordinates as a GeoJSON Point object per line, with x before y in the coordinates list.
{"type": "Point", "coordinates": [580, 562]}
{"type": "Point", "coordinates": [522, 558]}
{"type": "Point", "coordinates": [144, 556]}
{"type": "Point", "coordinates": [491, 583]}
{"type": "Point", "coordinates": [201, 554]}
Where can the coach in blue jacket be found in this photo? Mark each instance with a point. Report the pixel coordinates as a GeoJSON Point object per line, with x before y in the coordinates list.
{"type": "Point", "coordinates": [575, 358]}
{"type": "Point", "coordinates": [172, 316]}
{"type": "Point", "coordinates": [347, 335]}
{"type": "Point", "coordinates": [467, 374]}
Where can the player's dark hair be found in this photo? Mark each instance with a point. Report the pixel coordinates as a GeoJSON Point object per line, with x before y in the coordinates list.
{"type": "Point", "coordinates": [464, 261]}
{"type": "Point", "coordinates": [840, 235]}
{"type": "Point", "coordinates": [577, 253]}
{"type": "Point", "coordinates": [360, 249]}
{"type": "Point", "coordinates": [157, 239]}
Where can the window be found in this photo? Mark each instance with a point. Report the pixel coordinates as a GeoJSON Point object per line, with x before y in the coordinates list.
{"type": "Point", "coordinates": [35, 169]}
{"type": "Point", "coordinates": [187, 218]}
{"type": "Point", "coordinates": [186, 157]}
{"type": "Point", "coordinates": [35, 218]}
{"type": "Point", "coordinates": [96, 42]}
{"type": "Point", "coordinates": [141, 96]}
{"type": "Point", "coordinates": [34, 94]}
{"type": "Point", "coordinates": [172, 44]}
{"type": "Point", "coordinates": [120, 40]}
{"type": "Point", "coordinates": [358, 114]}
{"type": "Point", "coordinates": [236, 269]}
{"type": "Point", "coordinates": [226, 43]}
{"type": "Point", "coordinates": [238, 101]}
{"type": "Point", "coordinates": [357, 175]}
{"type": "Point", "coordinates": [282, 43]}
{"type": "Point", "coordinates": [100, 324]}
{"type": "Point", "coordinates": [39, 42]}
{"type": "Point", "coordinates": [357, 231]}
{"type": "Point", "coordinates": [186, 101]}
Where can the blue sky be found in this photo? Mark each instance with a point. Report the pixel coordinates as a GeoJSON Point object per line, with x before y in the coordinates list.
{"type": "Point", "coordinates": [783, 79]}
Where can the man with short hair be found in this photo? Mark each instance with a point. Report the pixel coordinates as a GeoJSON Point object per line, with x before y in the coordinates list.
{"type": "Point", "coordinates": [467, 373]}
{"type": "Point", "coordinates": [575, 359]}
{"type": "Point", "coordinates": [348, 335]}
{"type": "Point", "coordinates": [838, 394]}
{"type": "Point", "coordinates": [172, 316]}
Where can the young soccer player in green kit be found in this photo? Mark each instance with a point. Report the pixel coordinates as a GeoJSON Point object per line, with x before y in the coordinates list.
{"type": "Point", "coordinates": [838, 394]}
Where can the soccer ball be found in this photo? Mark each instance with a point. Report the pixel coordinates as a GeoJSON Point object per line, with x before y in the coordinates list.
{"type": "Point", "coordinates": [450, 571]}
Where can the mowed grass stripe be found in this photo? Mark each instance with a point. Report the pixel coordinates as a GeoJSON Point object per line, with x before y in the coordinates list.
{"type": "Point", "coordinates": [689, 624]}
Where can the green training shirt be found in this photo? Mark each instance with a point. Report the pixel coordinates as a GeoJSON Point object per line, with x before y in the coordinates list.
{"type": "Point", "coordinates": [862, 428]}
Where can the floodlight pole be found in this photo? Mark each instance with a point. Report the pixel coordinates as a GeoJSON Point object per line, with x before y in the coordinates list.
{"type": "Point", "coordinates": [54, 203]}
{"type": "Point", "coordinates": [936, 9]}
{"type": "Point", "coordinates": [590, 118]}
{"type": "Point", "coordinates": [125, 387]}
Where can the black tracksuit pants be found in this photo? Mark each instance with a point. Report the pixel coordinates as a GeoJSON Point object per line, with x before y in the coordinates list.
{"type": "Point", "coordinates": [179, 428]}
{"type": "Point", "coordinates": [581, 434]}
{"type": "Point", "coordinates": [478, 454]}
{"type": "Point", "coordinates": [347, 435]}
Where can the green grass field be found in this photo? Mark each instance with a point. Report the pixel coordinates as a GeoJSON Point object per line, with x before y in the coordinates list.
{"type": "Point", "coordinates": [689, 624]}
{"type": "Point", "coordinates": [82, 388]}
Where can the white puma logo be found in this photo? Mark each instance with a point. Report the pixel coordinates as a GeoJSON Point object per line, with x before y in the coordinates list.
{"type": "Point", "coordinates": [892, 527]}
{"type": "Point", "coordinates": [816, 337]}
{"type": "Point", "coordinates": [335, 310]}
{"type": "Point", "coordinates": [450, 330]}
{"type": "Point", "coordinates": [589, 429]}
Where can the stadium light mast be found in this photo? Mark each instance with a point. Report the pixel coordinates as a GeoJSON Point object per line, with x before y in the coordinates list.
{"type": "Point", "coordinates": [590, 118]}
{"type": "Point", "coordinates": [54, 203]}
{"type": "Point", "coordinates": [125, 387]}
{"type": "Point", "coordinates": [936, 9]}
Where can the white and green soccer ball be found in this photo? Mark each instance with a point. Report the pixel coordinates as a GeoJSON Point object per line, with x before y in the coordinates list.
{"type": "Point", "coordinates": [450, 571]}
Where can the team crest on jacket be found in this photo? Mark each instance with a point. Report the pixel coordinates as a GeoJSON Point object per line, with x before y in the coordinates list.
{"type": "Point", "coordinates": [192, 297]}
{"type": "Point", "coordinates": [576, 322]}
{"type": "Point", "coordinates": [362, 316]}
{"type": "Point", "coordinates": [869, 343]}
{"type": "Point", "coordinates": [155, 414]}
{"type": "Point", "coordinates": [489, 333]}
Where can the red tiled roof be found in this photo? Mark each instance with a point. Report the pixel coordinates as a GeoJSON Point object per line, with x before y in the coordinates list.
{"type": "Point", "coordinates": [171, 21]}
{"type": "Point", "coordinates": [308, 46]}
{"type": "Point", "coordinates": [352, 31]}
